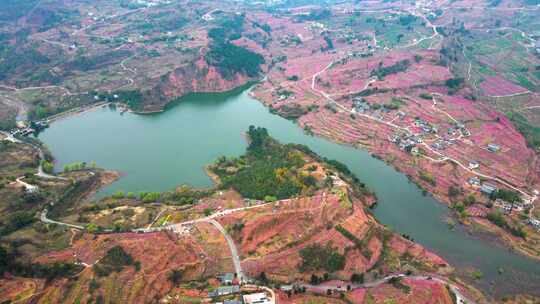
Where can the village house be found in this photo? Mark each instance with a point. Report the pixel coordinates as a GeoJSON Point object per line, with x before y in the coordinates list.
{"type": "Point", "coordinates": [226, 279]}
{"type": "Point", "coordinates": [30, 188]}
{"type": "Point", "coordinates": [493, 148]}
{"type": "Point", "coordinates": [505, 206]}
{"type": "Point", "coordinates": [406, 145]}
{"type": "Point", "coordinates": [395, 138]}
{"type": "Point", "coordinates": [286, 288]}
{"type": "Point", "coordinates": [488, 189]}
{"type": "Point", "coordinates": [439, 145]}
{"type": "Point", "coordinates": [230, 302]}
{"type": "Point", "coordinates": [535, 223]}
{"type": "Point", "coordinates": [360, 105]}
{"type": "Point", "coordinates": [474, 181]}
{"type": "Point", "coordinates": [256, 298]}
{"type": "Point", "coordinates": [224, 290]}
{"type": "Point", "coordinates": [473, 165]}
{"type": "Point", "coordinates": [27, 131]}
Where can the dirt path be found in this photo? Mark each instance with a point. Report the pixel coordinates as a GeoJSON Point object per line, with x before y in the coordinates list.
{"type": "Point", "coordinates": [342, 286]}
{"type": "Point", "coordinates": [428, 24]}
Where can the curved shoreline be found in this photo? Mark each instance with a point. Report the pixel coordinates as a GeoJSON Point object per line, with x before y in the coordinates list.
{"type": "Point", "coordinates": [504, 236]}
{"type": "Point", "coordinates": [355, 157]}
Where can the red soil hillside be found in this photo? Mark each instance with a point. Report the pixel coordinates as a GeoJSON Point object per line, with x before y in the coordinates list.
{"type": "Point", "coordinates": [195, 77]}
{"type": "Point", "coordinates": [157, 253]}
{"type": "Point", "coordinates": [272, 238]}
{"type": "Point", "coordinates": [421, 292]}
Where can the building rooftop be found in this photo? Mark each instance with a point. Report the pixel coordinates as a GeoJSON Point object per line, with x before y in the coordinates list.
{"type": "Point", "coordinates": [226, 277]}
{"type": "Point", "coordinates": [487, 188]}
{"type": "Point", "coordinates": [256, 298]}
{"type": "Point", "coordinates": [493, 147]}
{"type": "Point", "coordinates": [224, 290]}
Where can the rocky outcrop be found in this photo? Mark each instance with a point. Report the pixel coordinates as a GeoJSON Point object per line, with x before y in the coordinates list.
{"type": "Point", "coordinates": [195, 77]}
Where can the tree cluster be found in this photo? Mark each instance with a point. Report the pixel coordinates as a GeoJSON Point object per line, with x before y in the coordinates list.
{"type": "Point", "coordinates": [316, 257]}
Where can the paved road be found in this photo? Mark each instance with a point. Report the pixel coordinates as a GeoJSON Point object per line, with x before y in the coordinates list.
{"type": "Point", "coordinates": [10, 137]}
{"type": "Point", "coordinates": [42, 173]}
{"type": "Point", "coordinates": [234, 252]}
{"type": "Point", "coordinates": [180, 226]}
{"type": "Point", "coordinates": [529, 197]}
{"type": "Point", "coordinates": [45, 219]}
{"type": "Point", "coordinates": [342, 286]}
{"type": "Point", "coordinates": [27, 186]}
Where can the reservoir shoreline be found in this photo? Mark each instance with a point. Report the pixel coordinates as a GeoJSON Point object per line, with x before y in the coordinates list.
{"type": "Point", "coordinates": [173, 147]}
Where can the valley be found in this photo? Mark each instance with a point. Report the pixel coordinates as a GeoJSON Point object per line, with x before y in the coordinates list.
{"type": "Point", "coordinates": [295, 151]}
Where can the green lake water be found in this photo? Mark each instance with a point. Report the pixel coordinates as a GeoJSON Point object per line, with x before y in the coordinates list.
{"type": "Point", "coordinates": [158, 152]}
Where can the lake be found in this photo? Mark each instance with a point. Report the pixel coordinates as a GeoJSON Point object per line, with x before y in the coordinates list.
{"type": "Point", "coordinates": [160, 151]}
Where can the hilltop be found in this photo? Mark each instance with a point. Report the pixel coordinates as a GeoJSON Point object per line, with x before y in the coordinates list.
{"type": "Point", "coordinates": [308, 221]}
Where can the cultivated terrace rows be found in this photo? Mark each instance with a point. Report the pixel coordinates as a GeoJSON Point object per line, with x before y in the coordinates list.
{"type": "Point", "coordinates": [362, 94]}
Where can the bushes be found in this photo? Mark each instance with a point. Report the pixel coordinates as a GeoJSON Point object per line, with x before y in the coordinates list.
{"type": "Point", "coordinates": [498, 219]}
{"type": "Point", "coordinates": [268, 169]}
{"type": "Point", "coordinates": [428, 178]}
{"type": "Point", "coordinates": [133, 98]}
{"type": "Point", "coordinates": [358, 244]}
{"type": "Point", "coordinates": [118, 194]}
{"type": "Point", "coordinates": [150, 197]}
{"type": "Point", "coordinates": [315, 15]}
{"type": "Point", "coordinates": [231, 28]}
{"type": "Point", "coordinates": [394, 104]}
{"type": "Point", "coordinates": [273, 171]}
{"type": "Point", "coordinates": [186, 195]}
{"type": "Point", "coordinates": [357, 278]}
{"type": "Point", "coordinates": [407, 19]}
{"type": "Point", "coordinates": [518, 231]}
{"type": "Point", "coordinates": [454, 191]}
{"type": "Point", "coordinates": [114, 261]}
{"type": "Point", "coordinates": [293, 78]}
{"type": "Point", "coordinates": [8, 262]}
{"type": "Point", "coordinates": [16, 221]}
{"type": "Point", "coordinates": [33, 197]}
{"type": "Point", "coordinates": [16, 59]}
{"type": "Point", "coordinates": [396, 282]}
{"type": "Point", "coordinates": [208, 211]}
{"type": "Point", "coordinates": [507, 195]}
{"type": "Point", "coordinates": [74, 166]}
{"type": "Point", "coordinates": [3, 260]}
{"type": "Point", "coordinates": [426, 96]}
{"type": "Point", "coordinates": [346, 233]}
{"type": "Point", "coordinates": [316, 257]}
{"type": "Point", "coordinates": [49, 271]}
{"type": "Point", "coordinates": [399, 66]}
{"type": "Point", "coordinates": [175, 276]}
{"type": "Point", "coordinates": [528, 130]}
{"type": "Point", "coordinates": [292, 111]}
{"type": "Point", "coordinates": [454, 84]}
{"type": "Point", "coordinates": [86, 63]}
{"type": "Point", "coordinates": [329, 44]}
{"type": "Point", "coordinates": [48, 167]}
{"type": "Point", "coordinates": [230, 59]}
